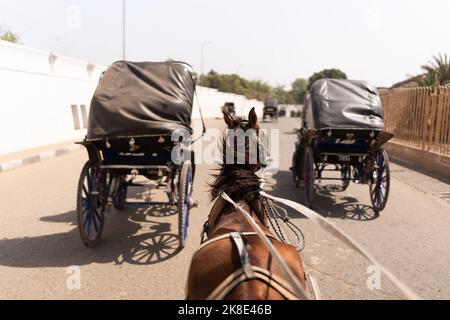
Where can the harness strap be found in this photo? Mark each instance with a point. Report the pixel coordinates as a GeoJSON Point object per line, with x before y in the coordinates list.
{"type": "Point", "coordinates": [248, 272]}
{"type": "Point", "coordinates": [222, 237]}
{"type": "Point", "coordinates": [239, 276]}
{"type": "Point", "coordinates": [296, 285]}
{"type": "Point", "coordinates": [243, 254]}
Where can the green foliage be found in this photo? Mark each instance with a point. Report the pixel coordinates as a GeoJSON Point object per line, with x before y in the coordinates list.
{"type": "Point", "coordinates": [327, 73]}
{"type": "Point", "coordinates": [8, 35]}
{"type": "Point", "coordinates": [299, 89]}
{"type": "Point", "coordinates": [260, 90]}
{"type": "Point", "coordinates": [252, 89]}
{"type": "Point", "coordinates": [436, 71]}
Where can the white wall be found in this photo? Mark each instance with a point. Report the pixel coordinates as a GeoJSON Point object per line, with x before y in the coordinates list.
{"type": "Point", "coordinates": [38, 88]}
{"type": "Point", "coordinates": [211, 102]}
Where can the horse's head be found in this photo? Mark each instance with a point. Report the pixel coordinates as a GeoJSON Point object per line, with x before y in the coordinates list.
{"type": "Point", "coordinates": [242, 147]}
{"type": "Point", "coordinates": [242, 157]}
{"type": "Point", "coordinates": [243, 152]}
{"type": "Point", "coordinates": [235, 123]}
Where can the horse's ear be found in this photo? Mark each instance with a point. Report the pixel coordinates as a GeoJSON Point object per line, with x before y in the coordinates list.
{"type": "Point", "coordinates": [252, 118]}
{"type": "Point", "coordinates": [229, 119]}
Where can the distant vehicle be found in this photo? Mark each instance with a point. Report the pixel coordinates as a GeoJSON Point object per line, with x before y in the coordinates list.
{"type": "Point", "coordinates": [230, 108]}
{"type": "Point", "coordinates": [271, 109]}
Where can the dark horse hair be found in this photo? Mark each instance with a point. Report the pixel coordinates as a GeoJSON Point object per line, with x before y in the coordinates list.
{"type": "Point", "coordinates": [239, 181]}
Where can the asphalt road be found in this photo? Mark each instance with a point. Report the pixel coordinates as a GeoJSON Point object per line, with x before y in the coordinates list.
{"type": "Point", "coordinates": [138, 258]}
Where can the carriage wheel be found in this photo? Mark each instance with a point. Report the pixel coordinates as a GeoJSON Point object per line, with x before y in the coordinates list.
{"type": "Point", "coordinates": [295, 179]}
{"type": "Point", "coordinates": [120, 197]}
{"type": "Point", "coordinates": [294, 169]}
{"type": "Point", "coordinates": [308, 177]}
{"type": "Point", "coordinates": [345, 176]}
{"type": "Point", "coordinates": [91, 204]}
{"type": "Point", "coordinates": [380, 181]}
{"type": "Point", "coordinates": [184, 201]}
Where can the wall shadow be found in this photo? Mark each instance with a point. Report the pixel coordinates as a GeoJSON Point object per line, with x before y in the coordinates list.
{"type": "Point", "coordinates": [347, 208]}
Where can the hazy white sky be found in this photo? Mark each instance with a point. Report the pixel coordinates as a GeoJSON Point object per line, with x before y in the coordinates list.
{"type": "Point", "coordinates": [381, 41]}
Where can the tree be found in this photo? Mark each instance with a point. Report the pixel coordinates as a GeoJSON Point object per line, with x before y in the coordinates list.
{"type": "Point", "coordinates": [8, 35]}
{"type": "Point", "coordinates": [211, 80]}
{"type": "Point", "coordinates": [437, 70]}
{"type": "Point", "coordinates": [299, 89]}
{"type": "Point", "coordinates": [254, 89]}
{"type": "Point", "coordinates": [327, 73]}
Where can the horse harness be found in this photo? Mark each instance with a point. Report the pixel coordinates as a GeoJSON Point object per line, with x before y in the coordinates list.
{"type": "Point", "coordinates": [247, 271]}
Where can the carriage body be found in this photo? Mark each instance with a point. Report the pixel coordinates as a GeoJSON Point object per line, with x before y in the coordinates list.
{"type": "Point", "coordinates": [270, 109]}
{"type": "Point", "coordinates": [138, 113]}
{"type": "Point", "coordinates": [230, 108]}
{"type": "Point", "coordinates": [343, 128]}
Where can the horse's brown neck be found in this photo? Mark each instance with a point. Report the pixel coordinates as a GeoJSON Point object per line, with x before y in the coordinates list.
{"type": "Point", "coordinates": [231, 220]}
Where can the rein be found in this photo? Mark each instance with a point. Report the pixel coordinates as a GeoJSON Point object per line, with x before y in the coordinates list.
{"type": "Point", "coordinates": [299, 290]}
{"type": "Point", "coordinates": [330, 228]}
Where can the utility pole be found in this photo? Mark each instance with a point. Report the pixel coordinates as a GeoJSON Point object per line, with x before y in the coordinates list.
{"type": "Point", "coordinates": [124, 7]}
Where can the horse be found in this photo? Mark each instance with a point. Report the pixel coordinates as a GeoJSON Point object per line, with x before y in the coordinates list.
{"type": "Point", "coordinates": [234, 264]}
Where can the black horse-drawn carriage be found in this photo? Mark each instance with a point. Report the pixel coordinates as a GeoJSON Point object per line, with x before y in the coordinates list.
{"type": "Point", "coordinates": [230, 108]}
{"type": "Point", "coordinates": [343, 128]}
{"type": "Point", "coordinates": [137, 116]}
{"type": "Point", "coordinates": [270, 109]}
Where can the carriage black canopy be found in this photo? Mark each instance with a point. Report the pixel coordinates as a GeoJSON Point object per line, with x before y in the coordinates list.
{"type": "Point", "coordinates": [142, 99]}
{"type": "Point", "coordinates": [343, 104]}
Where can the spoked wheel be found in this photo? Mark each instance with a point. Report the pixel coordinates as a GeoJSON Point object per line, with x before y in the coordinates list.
{"type": "Point", "coordinates": [184, 201]}
{"type": "Point", "coordinates": [295, 177]}
{"type": "Point", "coordinates": [380, 181]}
{"type": "Point", "coordinates": [345, 176]}
{"type": "Point", "coordinates": [120, 197]}
{"type": "Point", "coordinates": [91, 203]}
{"type": "Point", "coordinates": [308, 177]}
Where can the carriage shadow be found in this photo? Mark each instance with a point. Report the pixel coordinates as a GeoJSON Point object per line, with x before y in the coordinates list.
{"type": "Point", "coordinates": [325, 203]}
{"type": "Point", "coordinates": [131, 236]}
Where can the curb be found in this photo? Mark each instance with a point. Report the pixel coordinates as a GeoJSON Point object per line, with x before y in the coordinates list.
{"type": "Point", "coordinates": [18, 163]}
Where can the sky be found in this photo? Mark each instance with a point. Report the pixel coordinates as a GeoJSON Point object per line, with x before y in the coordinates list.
{"type": "Point", "coordinates": [381, 41]}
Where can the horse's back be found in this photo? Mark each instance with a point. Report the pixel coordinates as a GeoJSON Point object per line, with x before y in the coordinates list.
{"type": "Point", "coordinates": [215, 262]}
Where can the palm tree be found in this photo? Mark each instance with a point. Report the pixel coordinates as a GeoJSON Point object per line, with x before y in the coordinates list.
{"type": "Point", "coordinates": [436, 71]}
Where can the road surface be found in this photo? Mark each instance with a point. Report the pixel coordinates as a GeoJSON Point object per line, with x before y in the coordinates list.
{"type": "Point", "coordinates": [40, 248]}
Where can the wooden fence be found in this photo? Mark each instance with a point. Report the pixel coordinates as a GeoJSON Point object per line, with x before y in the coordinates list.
{"type": "Point", "coordinates": [419, 117]}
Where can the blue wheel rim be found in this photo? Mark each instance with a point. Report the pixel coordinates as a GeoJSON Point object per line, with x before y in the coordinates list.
{"type": "Point", "coordinates": [186, 205]}
{"type": "Point", "coordinates": [380, 181]}
{"type": "Point", "coordinates": [92, 220]}
{"type": "Point", "coordinates": [308, 178]}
